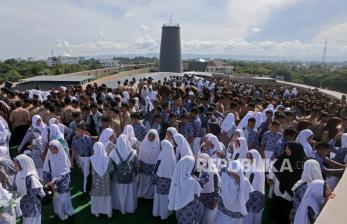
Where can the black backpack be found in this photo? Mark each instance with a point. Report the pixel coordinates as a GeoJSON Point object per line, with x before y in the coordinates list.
{"type": "Point", "coordinates": [125, 170]}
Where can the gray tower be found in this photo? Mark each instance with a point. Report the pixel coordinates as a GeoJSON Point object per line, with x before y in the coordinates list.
{"type": "Point", "coordinates": [170, 49]}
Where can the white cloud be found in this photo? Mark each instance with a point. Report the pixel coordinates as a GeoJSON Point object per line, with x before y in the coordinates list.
{"type": "Point", "coordinates": [336, 35]}
{"type": "Point", "coordinates": [128, 15]}
{"type": "Point", "coordinates": [245, 14]}
{"type": "Point", "coordinates": [143, 27]}
{"type": "Point", "coordinates": [100, 33]}
{"type": "Point", "coordinates": [256, 29]}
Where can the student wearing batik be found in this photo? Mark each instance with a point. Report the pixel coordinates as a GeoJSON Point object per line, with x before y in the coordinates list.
{"type": "Point", "coordinates": [269, 142]}
{"type": "Point", "coordinates": [310, 173]}
{"type": "Point", "coordinates": [233, 196]}
{"type": "Point", "coordinates": [317, 193]}
{"type": "Point", "coordinates": [340, 152]}
{"type": "Point", "coordinates": [184, 193]}
{"type": "Point", "coordinates": [66, 131]}
{"type": "Point", "coordinates": [36, 124]}
{"type": "Point", "coordinates": [186, 128]}
{"type": "Point", "coordinates": [289, 134]}
{"type": "Point", "coordinates": [213, 147]}
{"type": "Point", "coordinates": [139, 129]}
{"type": "Point", "coordinates": [37, 148]}
{"type": "Point", "coordinates": [107, 138]}
{"type": "Point", "coordinates": [256, 176]}
{"type": "Point", "coordinates": [209, 193]}
{"type": "Point", "coordinates": [81, 147]}
{"type": "Point", "coordinates": [240, 149]}
{"type": "Point", "coordinates": [163, 171]}
{"type": "Point", "coordinates": [101, 189]}
{"type": "Point", "coordinates": [29, 186]}
{"type": "Point", "coordinates": [124, 193]}
{"type": "Point", "coordinates": [198, 130]}
{"type": "Point", "coordinates": [170, 132]}
{"type": "Point", "coordinates": [5, 134]}
{"type": "Point", "coordinates": [182, 146]}
{"type": "Point", "coordinates": [157, 121]}
{"type": "Point", "coordinates": [148, 154]}
{"type": "Point", "coordinates": [129, 132]}
{"type": "Point", "coordinates": [251, 135]}
{"type": "Point", "coordinates": [228, 127]}
{"type": "Point", "coordinates": [56, 173]}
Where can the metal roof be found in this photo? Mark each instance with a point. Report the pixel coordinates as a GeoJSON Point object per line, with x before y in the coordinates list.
{"type": "Point", "coordinates": [58, 78]}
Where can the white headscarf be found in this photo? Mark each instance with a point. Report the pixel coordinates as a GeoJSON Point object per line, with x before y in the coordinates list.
{"type": "Point", "coordinates": [4, 132]}
{"type": "Point", "coordinates": [183, 186]}
{"type": "Point", "coordinates": [242, 150]}
{"type": "Point", "coordinates": [311, 172]}
{"type": "Point", "coordinates": [173, 132]}
{"type": "Point", "coordinates": [149, 150]}
{"type": "Point", "coordinates": [129, 132]}
{"type": "Point", "coordinates": [228, 123]}
{"type": "Point", "coordinates": [314, 198]}
{"type": "Point", "coordinates": [105, 136]}
{"type": "Point", "coordinates": [99, 159]}
{"type": "Point", "coordinates": [54, 132]}
{"type": "Point", "coordinates": [244, 121]}
{"type": "Point", "coordinates": [5, 194]}
{"type": "Point", "coordinates": [27, 169]}
{"type": "Point", "coordinates": [258, 170]}
{"type": "Point", "coordinates": [183, 148]}
{"type": "Point", "coordinates": [302, 139]}
{"type": "Point", "coordinates": [344, 140]}
{"type": "Point", "coordinates": [217, 145]}
{"type": "Point", "coordinates": [56, 121]}
{"type": "Point", "coordinates": [259, 119]}
{"type": "Point", "coordinates": [235, 195]}
{"type": "Point", "coordinates": [124, 149]}
{"type": "Point", "coordinates": [149, 106]}
{"type": "Point", "coordinates": [126, 96]}
{"type": "Point", "coordinates": [167, 160]}
{"type": "Point", "coordinates": [42, 127]}
{"type": "Point", "coordinates": [60, 163]}
{"type": "Point", "coordinates": [240, 132]}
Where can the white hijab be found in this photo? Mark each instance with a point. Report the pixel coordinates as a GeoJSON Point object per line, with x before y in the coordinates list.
{"type": "Point", "coordinates": [54, 132]}
{"type": "Point", "coordinates": [99, 159]}
{"type": "Point", "coordinates": [244, 121]}
{"type": "Point", "coordinates": [105, 136]}
{"type": "Point", "coordinates": [228, 123]}
{"type": "Point", "coordinates": [167, 160]}
{"type": "Point", "coordinates": [217, 145]}
{"type": "Point", "coordinates": [183, 186]}
{"type": "Point", "coordinates": [183, 148]}
{"type": "Point", "coordinates": [259, 119]}
{"type": "Point", "coordinates": [235, 195]}
{"type": "Point", "coordinates": [56, 121]}
{"type": "Point", "coordinates": [242, 150]}
{"type": "Point", "coordinates": [344, 140]}
{"type": "Point", "coordinates": [4, 152]}
{"type": "Point", "coordinates": [314, 198]}
{"type": "Point", "coordinates": [27, 169]}
{"type": "Point", "coordinates": [258, 170]}
{"type": "Point", "coordinates": [149, 106]}
{"type": "Point", "coordinates": [311, 172]}
{"type": "Point", "coordinates": [302, 139]}
{"type": "Point", "coordinates": [42, 127]}
{"type": "Point", "coordinates": [129, 132]}
{"type": "Point", "coordinates": [60, 163]}
{"type": "Point", "coordinates": [124, 149]}
{"type": "Point", "coordinates": [126, 96]}
{"type": "Point", "coordinates": [241, 133]}
{"type": "Point", "coordinates": [150, 150]}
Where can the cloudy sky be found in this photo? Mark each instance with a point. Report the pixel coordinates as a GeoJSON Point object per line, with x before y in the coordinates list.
{"type": "Point", "coordinates": [295, 29]}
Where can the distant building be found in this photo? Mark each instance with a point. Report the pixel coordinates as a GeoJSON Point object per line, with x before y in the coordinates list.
{"type": "Point", "coordinates": [47, 82]}
{"type": "Point", "coordinates": [63, 60]}
{"type": "Point", "coordinates": [219, 66]}
{"type": "Point", "coordinates": [108, 63]}
{"type": "Point", "coordinates": [198, 66]}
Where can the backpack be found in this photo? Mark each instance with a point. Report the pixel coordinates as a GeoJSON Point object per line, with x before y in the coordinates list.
{"type": "Point", "coordinates": [125, 170]}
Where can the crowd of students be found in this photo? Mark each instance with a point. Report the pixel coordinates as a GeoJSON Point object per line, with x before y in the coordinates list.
{"type": "Point", "coordinates": [204, 150]}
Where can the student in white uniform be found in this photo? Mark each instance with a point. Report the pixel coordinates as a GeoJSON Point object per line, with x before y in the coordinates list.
{"type": "Point", "coordinates": [101, 189]}
{"type": "Point", "coordinates": [148, 154]}
{"type": "Point", "coordinates": [256, 176]}
{"type": "Point", "coordinates": [163, 171]}
{"type": "Point", "coordinates": [240, 149]}
{"type": "Point", "coordinates": [56, 171]}
{"type": "Point", "coordinates": [124, 186]}
{"type": "Point", "coordinates": [234, 194]}
{"type": "Point", "coordinates": [314, 199]}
